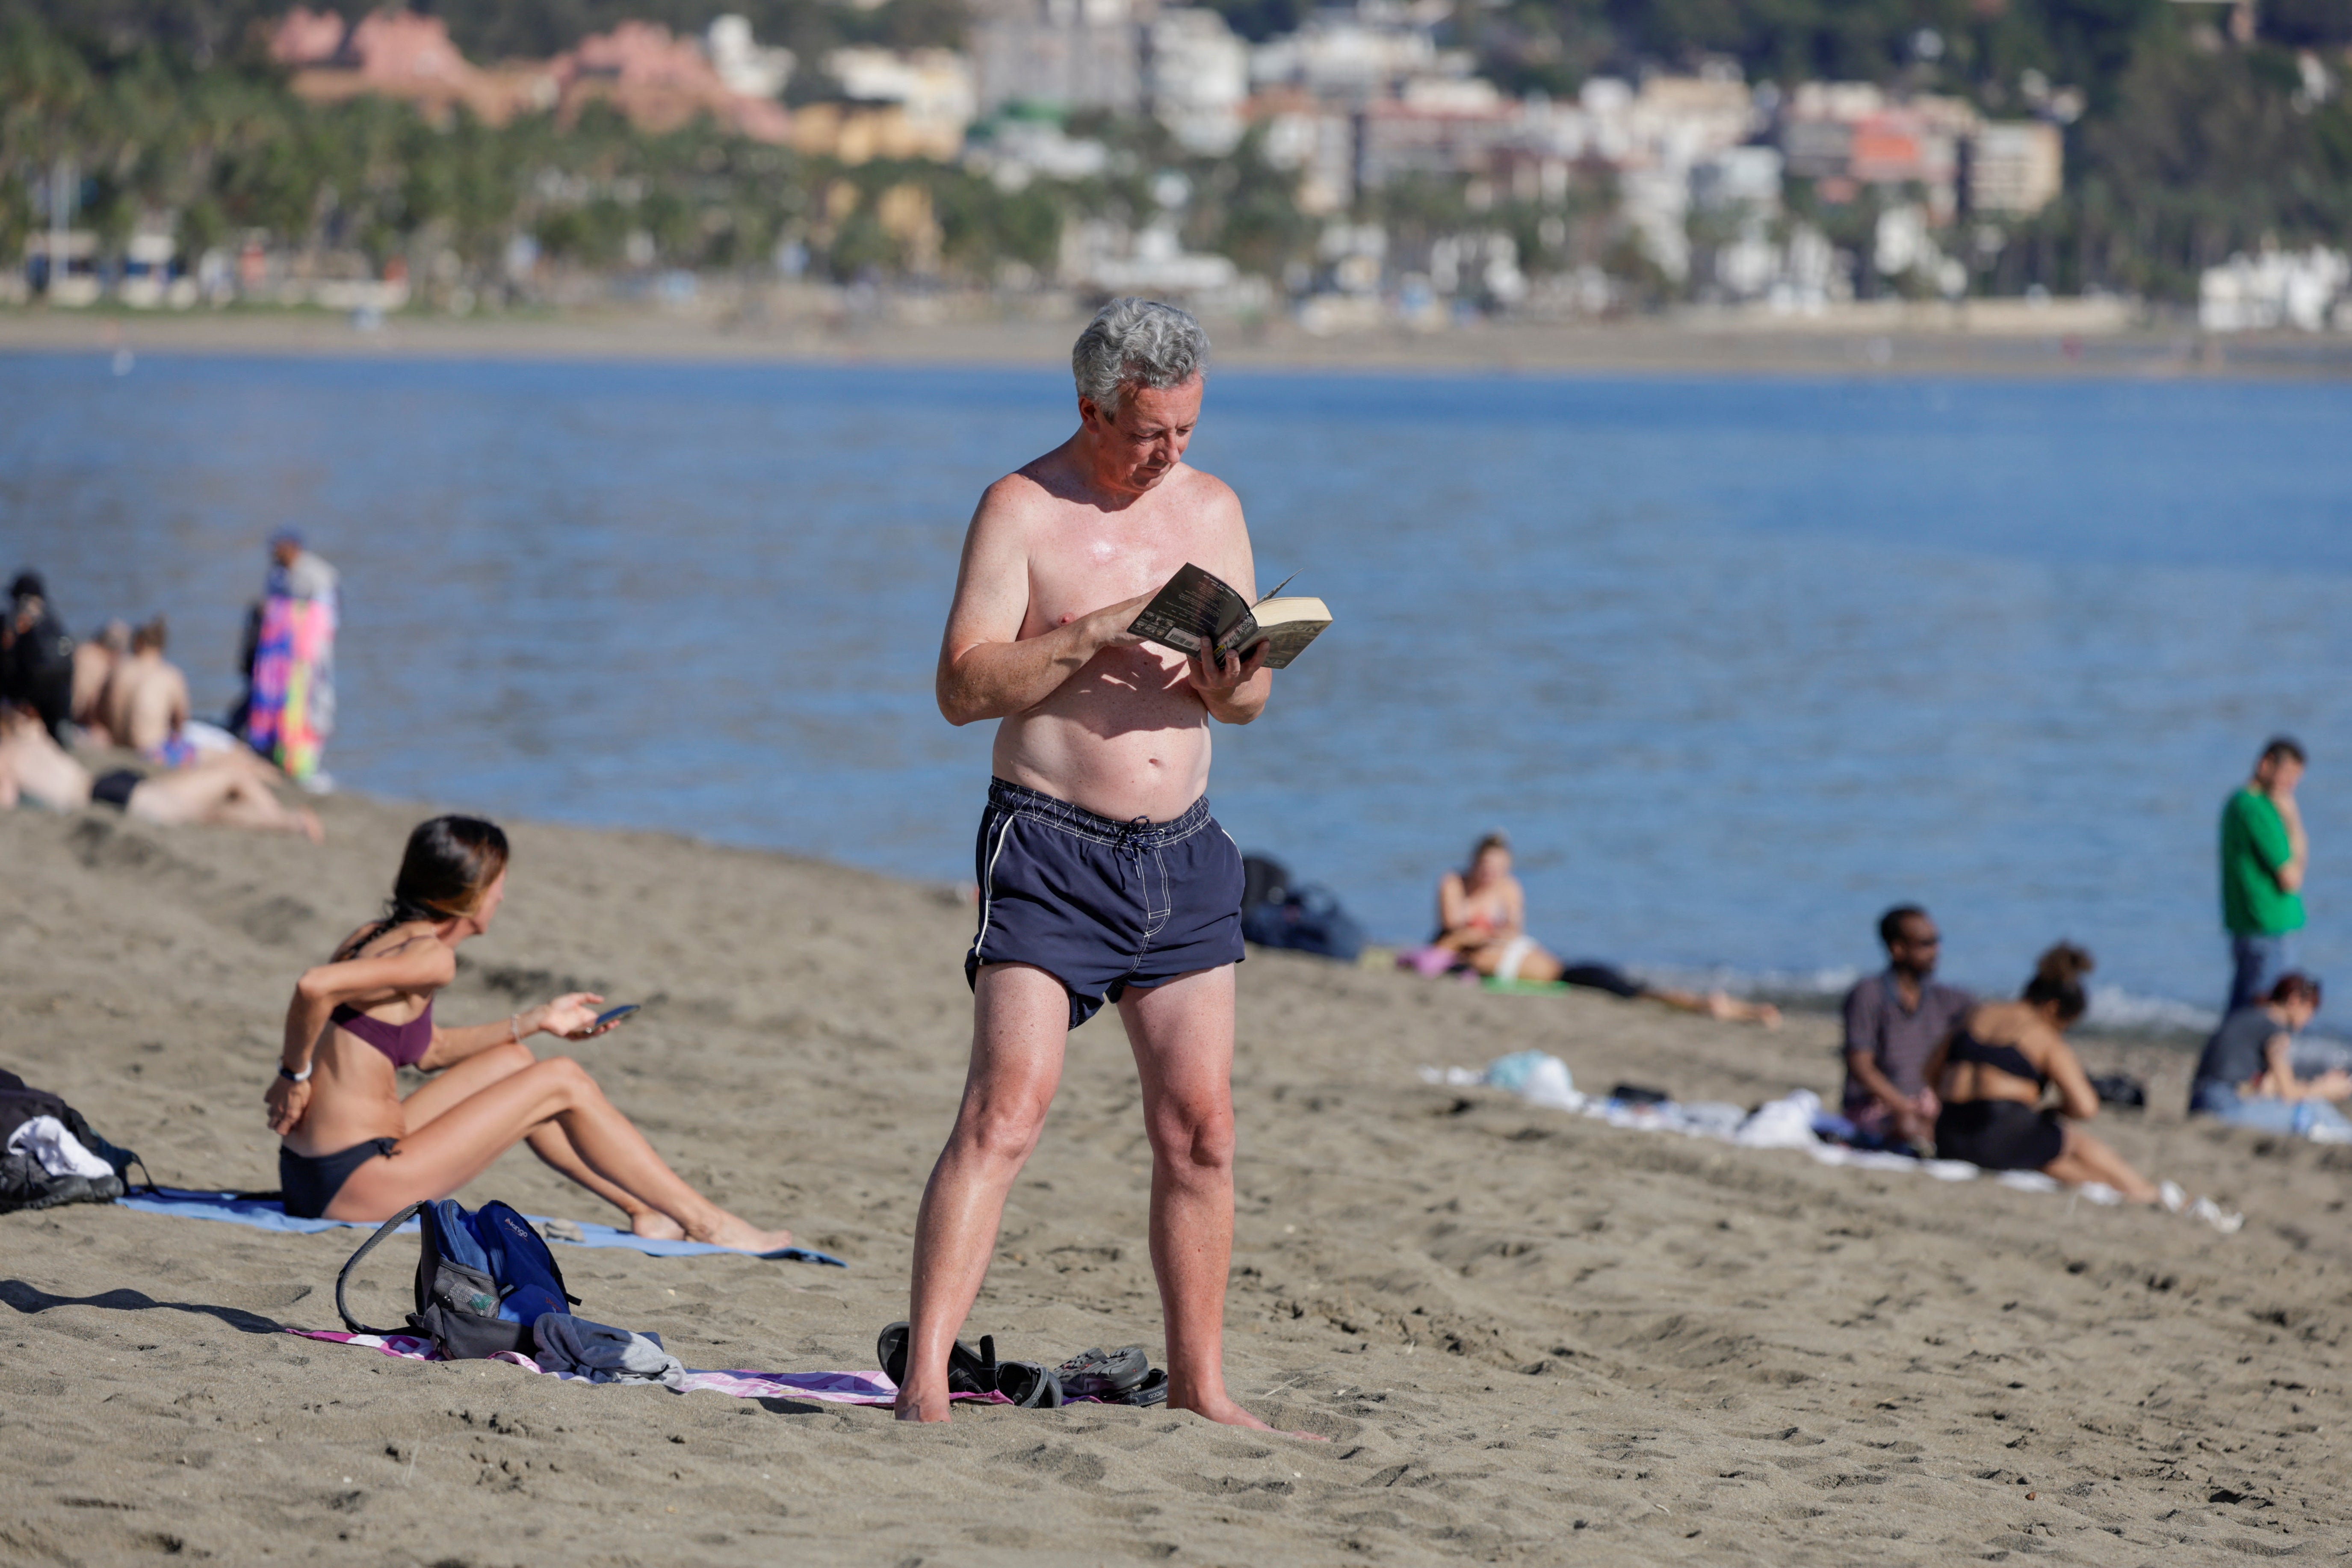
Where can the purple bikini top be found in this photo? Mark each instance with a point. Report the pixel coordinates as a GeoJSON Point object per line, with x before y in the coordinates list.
{"type": "Point", "coordinates": [404, 1044]}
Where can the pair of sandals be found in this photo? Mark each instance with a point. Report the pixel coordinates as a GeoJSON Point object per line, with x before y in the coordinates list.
{"type": "Point", "coordinates": [1107, 1378]}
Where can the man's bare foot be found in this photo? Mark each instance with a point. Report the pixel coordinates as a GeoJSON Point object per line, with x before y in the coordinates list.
{"type": "Point", "coordinates": [914, 1406]}
{"type": "Point", "coordinates": [1225, 1413]}
{"type": "Point", "coordinates": [655, 1225]}
{"type": "Point", "coordinates": [740, 1235]}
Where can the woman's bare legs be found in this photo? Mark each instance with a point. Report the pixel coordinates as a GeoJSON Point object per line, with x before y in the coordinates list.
{"type": "Point", "coordinates": [476, 1073]}
{"type": "Point", "coordinates": [2085, 1159]}
{"type": "Point", "coordinates": [1717, 1005]}
{"type": "Point", "coordinates": [463, 1140]}
{"type": "Point", "coordinates": [221, 794]}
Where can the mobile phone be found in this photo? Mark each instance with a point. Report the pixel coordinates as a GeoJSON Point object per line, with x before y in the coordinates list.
{"type": "Point", "coordinates": [612, 1015]}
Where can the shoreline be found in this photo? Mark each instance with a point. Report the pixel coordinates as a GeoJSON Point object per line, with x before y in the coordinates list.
{"type": "Point", "coordinates": [1670, 348]}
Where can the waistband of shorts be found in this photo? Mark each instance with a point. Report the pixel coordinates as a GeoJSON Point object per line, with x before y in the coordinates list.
{"type": "Point", "coordinates": [1140, 834]}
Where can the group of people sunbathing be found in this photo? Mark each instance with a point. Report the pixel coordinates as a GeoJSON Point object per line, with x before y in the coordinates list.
{"type": "Point", "coordinates": [126, 694]}
{"type": "Point", "coordinates": [1930, 1067]}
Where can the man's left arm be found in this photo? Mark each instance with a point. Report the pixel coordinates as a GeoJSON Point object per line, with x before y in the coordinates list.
{"type": "Point", "coordinates": [1233, 689]}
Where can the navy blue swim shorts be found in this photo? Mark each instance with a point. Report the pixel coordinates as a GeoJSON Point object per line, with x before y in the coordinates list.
{"type": "Point", "coordinates": [1102, 905]}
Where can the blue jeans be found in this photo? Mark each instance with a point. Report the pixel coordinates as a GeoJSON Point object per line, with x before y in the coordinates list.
{"type": "Point", "coordinates": [2256, 962]}
{"type": "Point", "coordinates": [2313, 1119]}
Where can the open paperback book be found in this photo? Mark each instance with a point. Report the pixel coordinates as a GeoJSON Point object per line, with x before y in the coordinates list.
{"type": "Point", "coordinates": [1197, 610]}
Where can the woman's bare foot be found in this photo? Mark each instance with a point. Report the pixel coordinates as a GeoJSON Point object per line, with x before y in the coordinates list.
{"type": "Point", "coordinates": [312, 828]}
{"type": "Point", "coordinates": [740, 1235]}
{"type": "Point", "coordinates": [655, 1225]}
{"type": "Point", "coordinates": [1731, 1010]}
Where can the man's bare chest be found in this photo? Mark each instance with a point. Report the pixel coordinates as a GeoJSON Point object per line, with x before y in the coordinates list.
{"type": "Point", "coordinates": [1075, 571]}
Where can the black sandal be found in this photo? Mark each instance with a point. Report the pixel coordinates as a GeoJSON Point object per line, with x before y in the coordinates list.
{"type": "Point", "coordinates": [1099, 1373]}
{"type": "Point", "coordinates": [1024, 1383]}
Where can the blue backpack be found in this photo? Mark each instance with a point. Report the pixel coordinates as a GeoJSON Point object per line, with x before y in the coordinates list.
{"type": "Point", "coordinates": [483, 1278]}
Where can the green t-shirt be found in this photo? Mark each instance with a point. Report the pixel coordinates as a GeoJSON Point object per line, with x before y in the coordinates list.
{"type": "Point", "coordinates": [2254, 847]}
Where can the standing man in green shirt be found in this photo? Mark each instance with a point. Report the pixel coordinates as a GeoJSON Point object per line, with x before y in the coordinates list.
{"type": "Point", "coordinates": [2264, 856]}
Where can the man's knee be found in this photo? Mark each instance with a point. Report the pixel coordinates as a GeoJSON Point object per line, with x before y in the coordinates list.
{"type": "Point", "coordinates": [1005, 1124]}
{"type": "Point", "coordinates": [1197, 1138]}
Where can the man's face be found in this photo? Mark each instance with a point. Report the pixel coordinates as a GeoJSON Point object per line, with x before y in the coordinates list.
{"type": "Point", "coordinates": [284, 552]}
{"type": "Point", "coordinates": [2280, 774]}
{"type": "Point", "coordinates": [1916, 947]}
{"type": "Point", "coordinates": [1138, 448]}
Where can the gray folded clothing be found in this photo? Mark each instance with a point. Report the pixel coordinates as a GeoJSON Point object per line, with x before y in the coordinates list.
{"type": "Point", "coordinates": [601, 1353]}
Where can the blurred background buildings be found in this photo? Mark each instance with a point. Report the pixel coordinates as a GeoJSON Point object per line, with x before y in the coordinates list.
{"type": "Point", "coordinates": [1391, 163]}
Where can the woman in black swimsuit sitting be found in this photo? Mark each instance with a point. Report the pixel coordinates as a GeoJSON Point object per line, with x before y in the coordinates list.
{"type": "Point", "coordinates": [354, 1150]}
{"type": "Point", "coordinates": [1991, 1074]}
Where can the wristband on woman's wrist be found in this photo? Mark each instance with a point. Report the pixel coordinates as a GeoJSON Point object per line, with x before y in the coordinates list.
{"type": "Point", "coordinates": [290, 1075]}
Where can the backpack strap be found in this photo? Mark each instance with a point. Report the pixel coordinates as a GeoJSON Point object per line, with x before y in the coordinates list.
{"type": "Point", "coordinates": [386, 1229]}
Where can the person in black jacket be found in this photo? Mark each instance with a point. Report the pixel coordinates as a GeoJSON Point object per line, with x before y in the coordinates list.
{"type": "Point", "coordinates": [36, 656]}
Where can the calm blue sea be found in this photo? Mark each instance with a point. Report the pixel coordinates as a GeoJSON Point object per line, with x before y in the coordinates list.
{"type": "Point", "coordinates": [1738, 662]}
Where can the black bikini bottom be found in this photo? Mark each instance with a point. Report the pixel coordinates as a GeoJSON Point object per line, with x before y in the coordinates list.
{"type": "Point", "coordinates": [114, 789]}
{"type": "Point", "coordinates": [1999, 1135]}
{"type": "Point", "coordinates": [311, 1181]}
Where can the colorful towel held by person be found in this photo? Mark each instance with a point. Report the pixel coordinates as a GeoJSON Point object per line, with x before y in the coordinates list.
{"type": "Point", "coordinates": [292, 709]}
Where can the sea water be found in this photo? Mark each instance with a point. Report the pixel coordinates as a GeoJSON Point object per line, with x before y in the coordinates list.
{"type": "Point", "coordinates": [1738, 662]}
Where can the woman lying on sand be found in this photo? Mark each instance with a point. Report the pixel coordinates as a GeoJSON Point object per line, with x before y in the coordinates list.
{"type": "Point", "coordinates": [1991, 1074]}
{"type": "Point", "coordinates": [354, 1150]}
{"type": "Point", "coordinates": [1482, 914]}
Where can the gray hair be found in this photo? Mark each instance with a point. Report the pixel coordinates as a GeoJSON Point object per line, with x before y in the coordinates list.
{"type": "Point", "coordinates": [1137, 342]}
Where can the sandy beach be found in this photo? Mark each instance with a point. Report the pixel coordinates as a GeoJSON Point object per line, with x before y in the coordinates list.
{"type": "Point", "coordinates": [1530, 1337]}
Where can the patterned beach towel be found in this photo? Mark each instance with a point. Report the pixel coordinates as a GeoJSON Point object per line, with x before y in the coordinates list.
{"type": "Point", "coordinates": [834, 1387]}
{"type": "Point", "coordinates": [268, 1214]}
{"type": "Point", "coordinates": [293, 709]}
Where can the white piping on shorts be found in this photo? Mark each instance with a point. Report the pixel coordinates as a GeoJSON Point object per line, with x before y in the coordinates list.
{"type": "Point", "coordinates": [988, 887]}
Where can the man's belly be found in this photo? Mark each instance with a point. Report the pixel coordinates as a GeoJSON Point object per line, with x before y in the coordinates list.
{"type": "Point", "coordinates": [1154, 774]}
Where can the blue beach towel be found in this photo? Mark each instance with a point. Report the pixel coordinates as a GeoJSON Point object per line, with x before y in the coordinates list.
{"type": "Point", "coordinates": [264, 1214]}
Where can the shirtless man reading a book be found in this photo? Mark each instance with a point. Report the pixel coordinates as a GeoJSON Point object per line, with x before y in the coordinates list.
{"type": "Point", "coordinates": [1102, 875]}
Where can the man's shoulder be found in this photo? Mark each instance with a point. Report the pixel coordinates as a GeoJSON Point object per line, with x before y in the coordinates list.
{"type": "Point", "coordinates": [1950, 998]}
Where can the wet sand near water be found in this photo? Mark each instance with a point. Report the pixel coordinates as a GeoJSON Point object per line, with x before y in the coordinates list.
{"type": "Point", "coordinates": [1529, 1336]}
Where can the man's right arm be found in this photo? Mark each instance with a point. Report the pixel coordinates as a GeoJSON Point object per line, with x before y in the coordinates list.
{"type": "Point", "coordinates": [987, 670]}
{"type": "Point", "coordinates": [2298, 848]}
{"type": "Point", "coordinates": [1865, 1007]}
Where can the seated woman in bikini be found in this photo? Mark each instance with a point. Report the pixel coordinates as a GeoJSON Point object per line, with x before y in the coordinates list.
{"type": "Point", "coordinates": [354, 1150]}
{"type": "Point", "coordinates": [1991, 1073]}
{"type": "Point", "coordinates": [1481, 915]}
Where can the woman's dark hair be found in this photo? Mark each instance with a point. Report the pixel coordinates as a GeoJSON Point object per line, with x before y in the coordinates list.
{"type": "Point", "coordinates": [2058, 981]}
{"type": "Point", "coordinates": [2294, 987]}
{"type": "Point", "coordinates": [450, 862]}
{"type": "Point", "coordinates": [1498, 840]}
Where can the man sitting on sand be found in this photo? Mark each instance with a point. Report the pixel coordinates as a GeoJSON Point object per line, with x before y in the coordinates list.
{"type": "Point", "coordinates": [2246, 1076]}
{"type": "Point", "coordinates": [146, 700]}
{"type": "Point", "coordinates": [94, 659]}
{"type": "Point", "coordinates": [1102, 875]}
{"type": "Point", "coordinates": [1893, 1022]}
{"type": "Point", "coordinates": [220, 792]}
{"type": "Point", "coordinates": [1482, 916]}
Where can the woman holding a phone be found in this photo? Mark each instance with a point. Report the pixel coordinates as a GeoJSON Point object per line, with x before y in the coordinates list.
{"type": "Point", "coordinates": [354, 1150]}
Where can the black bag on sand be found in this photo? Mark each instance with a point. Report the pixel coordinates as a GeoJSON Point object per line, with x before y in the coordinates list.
{"type": "Point", "coordinates": [25, 1185]}
{"type": "Point", "coordinates": [1302, 917]}
{"type": "Point", "coordinates": [483, 1278]}
{"type": "Point", "coordinates": [2120, 1088]}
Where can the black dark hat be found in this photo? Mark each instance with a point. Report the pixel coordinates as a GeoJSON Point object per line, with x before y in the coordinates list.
{"type": "Point", "coordinates": [28, 585]}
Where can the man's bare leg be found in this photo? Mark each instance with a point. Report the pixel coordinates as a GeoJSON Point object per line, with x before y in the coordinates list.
{"type": "Point", "coordinates": [1021, 1024]}
{"type": "Point", "coordinates": [1182, 1036]}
